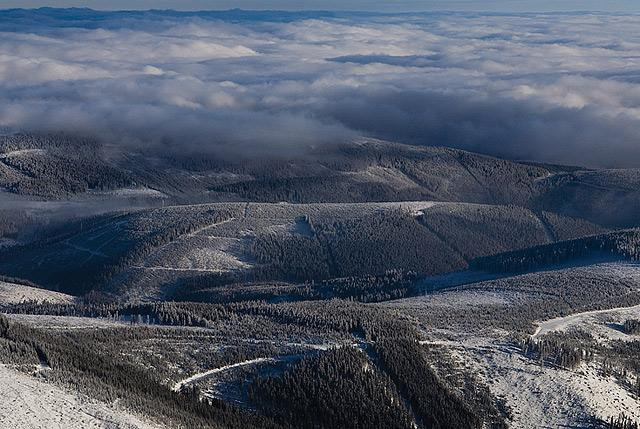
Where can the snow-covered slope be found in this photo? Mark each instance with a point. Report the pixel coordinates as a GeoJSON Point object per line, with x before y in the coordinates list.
{"type": "Point", "coordinates": [30, 403]}
{"type": "Point", "coordinates": [12, 293]}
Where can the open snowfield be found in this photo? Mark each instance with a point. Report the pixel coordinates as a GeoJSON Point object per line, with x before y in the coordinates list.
{"type": "Point", "coordinates": [11, 293]}
{"type": "Point", "coordinates": [65, 322]}
{"type": "Point", "coordinates": [545, 397]}
{"type": "Point", "coordinates": [476, 330]}
{"type": "Point", "coordinates": [30, 403]}
{"type": "Point", "coordinates": [602, 324]}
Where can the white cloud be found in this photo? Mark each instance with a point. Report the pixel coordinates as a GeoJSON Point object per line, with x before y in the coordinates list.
{"type": "Point", "coordinates": [560, 88]}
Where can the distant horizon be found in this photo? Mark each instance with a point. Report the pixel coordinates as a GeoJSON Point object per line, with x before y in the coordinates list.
{"type": "Point", "coordinates": [337, 11]}
{"type": "Point", "coordinates": [408, 6]}
{"type": "Point", "coordinates": [513, 85]}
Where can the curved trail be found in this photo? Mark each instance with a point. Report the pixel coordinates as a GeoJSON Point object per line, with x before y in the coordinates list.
{"type": "Point", "coordinates": [179, 385]}
{"type": "Point", "coordinates": [559, 323]}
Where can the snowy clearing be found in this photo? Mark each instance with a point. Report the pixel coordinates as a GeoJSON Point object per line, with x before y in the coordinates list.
{"type": "Point", "coordinates": [542, 396]}
{"type": "Point", "coordinates": [27, 402]}
{"type": "Point", "coordinates": [595, 320]}
{"type": "Point", "coordinates": [21, 152]}
{"type": "Point", "coordinates": [11, 293]}
{"type": "Point", "coordinates": [65, 322]}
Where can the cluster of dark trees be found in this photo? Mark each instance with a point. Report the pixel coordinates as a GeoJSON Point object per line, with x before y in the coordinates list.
{"type": "Point", "coordinates": [161, 313]}
{"type": "Point", "coordinates": [622, 422]}
{"type": "Point", "coordinates": [20, 141]}
{"type": "Point", "coordinates": [560, 349]}
{"type": "Point", "coordinates": [624, 244]}
{"type": "Point", "coordinates": [355, 247]}
{"type": "Point", "coordinates": [483, 230]}
{"type": "Point", "coordinates": [567, 228]}
{"type": "Point", "coordinates": [433, 404]}
{"type": "Point", "coordinates": [66, 165]}
{"type": "Point", "coordinates": [341, 388]}
{"type": "Point", "coordinates": [54, 174]}
{"type": "Point", "coordinates": [393, 284]}
{"type": "Point", "coordinates": [621, 359]}
{"type": "Point", "coordinates": [631, 326]}
{"type": "Point", "coordinates": [227, 288]}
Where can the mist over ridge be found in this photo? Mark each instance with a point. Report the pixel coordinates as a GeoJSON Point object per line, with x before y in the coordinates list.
{"type": "Point", "coordinates": [548, 87]}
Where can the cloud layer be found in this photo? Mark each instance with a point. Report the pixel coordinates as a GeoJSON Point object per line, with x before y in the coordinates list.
{"type": "Point", "coordinates": [556, 88]}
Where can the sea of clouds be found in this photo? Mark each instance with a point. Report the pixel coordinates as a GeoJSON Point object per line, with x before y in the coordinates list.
{"type": "Point", "coordinates": [558, 88]}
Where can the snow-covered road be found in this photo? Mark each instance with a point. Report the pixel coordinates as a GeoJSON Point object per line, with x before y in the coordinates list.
{"type": "Point", "coordinates": [179, 385]}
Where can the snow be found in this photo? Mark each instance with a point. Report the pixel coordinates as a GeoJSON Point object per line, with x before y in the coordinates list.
{"type": "Point", "coordinates": [542, 397]}
{"type": "Point", "coordinates": [65, 322]}
{"type": "Point", "coordinates": [134, 192]}
{"type": "Point", "coordinates": [27, 402]}
{"type": "Point", "coordinates": [199, 376]}
{"type": "Point", "coordinates": [599, 321]}
{"type": "Point", "coordinates": [20, 152]}
{"type": "Point", "coordinates": [539, 396]}
{"type": "Point", "coordinates": [11, 293]}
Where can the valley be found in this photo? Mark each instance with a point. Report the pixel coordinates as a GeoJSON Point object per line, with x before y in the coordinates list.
{"type": "Point", "coordinates": [468, 299]}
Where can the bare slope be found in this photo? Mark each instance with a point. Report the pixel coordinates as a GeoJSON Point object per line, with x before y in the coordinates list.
{"type": "Point", "coordinates": [12, 293]}
{"type": "Point", "coordinates": [30, 403]}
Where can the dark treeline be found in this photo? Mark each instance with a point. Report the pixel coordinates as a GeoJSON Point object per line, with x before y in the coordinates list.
{"type": "Point", "coordinates": [621, 422]}
{"type": "Point", "coordinates": [624, 244]}
{"type": "Point", "coordinates": [632, 326]}
{"type": "Point", "coordinates": [341, 388]}
{"type": "Point", "coordinates": [568, 228]}
{"type": "Point", "coordinates": [434, 405]}
{"type": "Point", "coordinates": [566, 351]}
{"type": "Point", "coordinates": [161, 313]}
{"type": "Point", "coordinates": [622, 360]}
{"type": "Point", "coordinates": [393, 284]}
{"type": "Point", "coordinates": [59, 165]}
{"type": "Point", "coordinates": [21, 141]}
{"type": "Point", "coordinates": [355, 247]}
{"type": "Point", "coordinates": [55, 175]}
{"type": "Point", "coordinates": [484, 230]}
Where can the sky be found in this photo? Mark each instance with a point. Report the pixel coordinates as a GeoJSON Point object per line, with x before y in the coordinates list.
{"type": "Point", "coordinates": [360, 5]}
{"type": "Point", "coordinates": [560, 88]}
